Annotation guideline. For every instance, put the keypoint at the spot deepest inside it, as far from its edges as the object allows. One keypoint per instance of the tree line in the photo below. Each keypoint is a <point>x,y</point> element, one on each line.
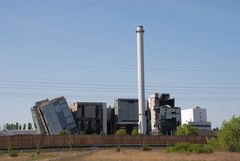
<point>18,126</point>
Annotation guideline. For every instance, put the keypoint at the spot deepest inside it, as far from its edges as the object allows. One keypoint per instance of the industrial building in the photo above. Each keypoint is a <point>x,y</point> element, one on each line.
<point>90,117</point>
<point>165,117</point>
<point>126,114</point>
<point>53,116</point>
<point>196,117</point>
<point>110,120</point>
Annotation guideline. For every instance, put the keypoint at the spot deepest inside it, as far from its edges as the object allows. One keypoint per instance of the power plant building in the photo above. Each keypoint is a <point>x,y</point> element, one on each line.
<point>196,117</point>
<point>126,113</point>
<point>165,117</point>
<point>110,120</point>
<point>90,117</point>
<point>50,117</point>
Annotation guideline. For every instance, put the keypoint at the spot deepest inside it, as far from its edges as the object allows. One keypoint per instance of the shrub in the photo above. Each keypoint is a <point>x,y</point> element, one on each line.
<point>82,133</point>
<point>182,147</point>
<point>229,134</point>
<point>207,148</point>
<point>102,133</point>
<point>186,130</point>
<point>190,148</point>
<point>214,143</point>
<point>63,133</point>
<point>118,149</point>
<point>121,132</point>
<point>70,144</point>
<point>135,132</point>
<point>146,147</point>
<point>11,152</point>
<point>38,149</point>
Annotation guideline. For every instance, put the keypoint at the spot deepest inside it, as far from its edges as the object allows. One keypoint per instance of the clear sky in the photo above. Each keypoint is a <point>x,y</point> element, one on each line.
<point>86,51</point>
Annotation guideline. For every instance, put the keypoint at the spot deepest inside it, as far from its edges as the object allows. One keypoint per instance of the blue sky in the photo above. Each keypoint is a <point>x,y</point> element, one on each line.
<point>86,51</point>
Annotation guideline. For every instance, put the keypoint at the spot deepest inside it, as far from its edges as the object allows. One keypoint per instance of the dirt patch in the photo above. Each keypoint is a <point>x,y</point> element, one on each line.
<point>126,154</point>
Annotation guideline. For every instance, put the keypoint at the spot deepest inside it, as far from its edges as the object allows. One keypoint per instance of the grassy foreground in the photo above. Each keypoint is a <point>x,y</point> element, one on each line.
<point>126,154</point>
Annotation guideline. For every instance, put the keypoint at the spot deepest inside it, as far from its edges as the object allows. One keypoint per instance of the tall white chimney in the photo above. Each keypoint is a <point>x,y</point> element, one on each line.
<point>142,128</point>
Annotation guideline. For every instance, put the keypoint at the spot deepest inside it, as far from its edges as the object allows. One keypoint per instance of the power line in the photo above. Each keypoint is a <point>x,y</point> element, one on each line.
<point>147,68</point>
<point>112,85</point>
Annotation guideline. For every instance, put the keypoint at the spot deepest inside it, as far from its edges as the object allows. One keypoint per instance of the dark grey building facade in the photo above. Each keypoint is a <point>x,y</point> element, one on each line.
<point>126,114</point>
<point>90,117</point>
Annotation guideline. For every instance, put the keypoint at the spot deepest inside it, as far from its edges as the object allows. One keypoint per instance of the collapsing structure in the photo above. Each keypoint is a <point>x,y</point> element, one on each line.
<point>90,117</point>
<point>50,117</point>
<point>165,117</point>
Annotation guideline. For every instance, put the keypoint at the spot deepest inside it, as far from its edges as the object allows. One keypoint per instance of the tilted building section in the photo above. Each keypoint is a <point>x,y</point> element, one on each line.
<point>90,117</point>
<point>50,117</point>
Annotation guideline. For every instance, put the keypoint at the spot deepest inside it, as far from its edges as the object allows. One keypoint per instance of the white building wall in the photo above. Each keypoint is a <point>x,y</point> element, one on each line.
<point>196,117</point>
<point>187,116</point>
<point>154,117</point>
<point>200,115</point>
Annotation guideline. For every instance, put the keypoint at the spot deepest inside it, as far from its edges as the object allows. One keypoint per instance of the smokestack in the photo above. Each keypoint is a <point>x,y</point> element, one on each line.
<point>141,90</point>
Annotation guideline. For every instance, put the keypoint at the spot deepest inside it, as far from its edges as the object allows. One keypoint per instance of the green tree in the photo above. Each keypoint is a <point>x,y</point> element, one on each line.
<point>229,134</point>
<point>134,132</point>
<point>11,126</point>
<point>29,126</point>
<point>17,125</point>
<point>186,130</point>
<point>24,126</point>
<point>121,132</point>
<point>20,127</point>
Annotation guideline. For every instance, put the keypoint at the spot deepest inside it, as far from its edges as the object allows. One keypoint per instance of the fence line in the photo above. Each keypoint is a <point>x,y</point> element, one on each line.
<point>55,141</point>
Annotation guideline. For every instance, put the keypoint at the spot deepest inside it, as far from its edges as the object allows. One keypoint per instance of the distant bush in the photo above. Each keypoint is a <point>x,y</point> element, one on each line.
<point>82,133</point>
<point>118,149</point>
<point>214,143</point>
<point>38,149</point>
<point>134,132</point>
<point>11,152</point>
<point>186,130</point>
<point>102,133</point>
<point>145,147</point>
<point>70,144</point>
<point>63,133</point>
<point>121,132</point>
<point>190,148</point>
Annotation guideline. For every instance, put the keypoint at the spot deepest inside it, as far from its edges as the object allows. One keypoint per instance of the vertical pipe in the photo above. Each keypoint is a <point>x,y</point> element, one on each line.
<point>141,96</point>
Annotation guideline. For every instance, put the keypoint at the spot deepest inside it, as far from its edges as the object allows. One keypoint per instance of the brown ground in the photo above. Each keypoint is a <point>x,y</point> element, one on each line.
<point>126,154</point>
